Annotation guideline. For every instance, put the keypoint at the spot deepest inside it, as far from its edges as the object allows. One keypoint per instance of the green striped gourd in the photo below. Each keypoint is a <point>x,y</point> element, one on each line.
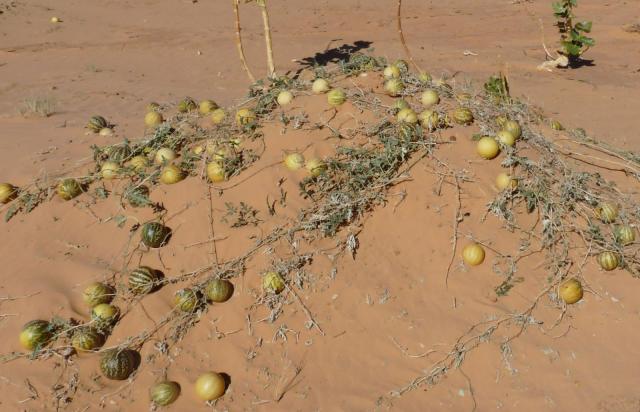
<point>86,339</point>
<point>155,234</point>
<point>69,188</point>
<point>143,280</point>
<point>97,123</point>
<point>218,290</point>
<point>119,364</point>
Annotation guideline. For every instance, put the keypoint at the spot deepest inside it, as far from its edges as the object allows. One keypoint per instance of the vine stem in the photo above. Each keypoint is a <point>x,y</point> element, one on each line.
<point>403,41</point>
<point>243,60</point>
<point>267,37</point>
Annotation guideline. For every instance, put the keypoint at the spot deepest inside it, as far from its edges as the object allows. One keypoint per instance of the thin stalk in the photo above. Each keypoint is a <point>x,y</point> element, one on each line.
<point>239,42</point>
<point>267,37</point>
<point>402,40</point>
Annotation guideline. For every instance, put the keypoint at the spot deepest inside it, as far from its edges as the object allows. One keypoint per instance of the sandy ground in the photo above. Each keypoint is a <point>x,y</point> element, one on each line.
<point>384,310</point>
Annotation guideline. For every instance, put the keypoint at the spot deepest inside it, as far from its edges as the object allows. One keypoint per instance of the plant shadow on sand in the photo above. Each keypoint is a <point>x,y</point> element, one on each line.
<point>335,55</point>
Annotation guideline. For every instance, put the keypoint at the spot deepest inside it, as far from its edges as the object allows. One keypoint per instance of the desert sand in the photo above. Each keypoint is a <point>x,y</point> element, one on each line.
<point>385,315</point>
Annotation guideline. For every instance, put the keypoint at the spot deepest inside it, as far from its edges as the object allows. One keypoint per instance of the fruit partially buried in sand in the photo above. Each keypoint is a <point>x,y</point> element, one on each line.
<point>488,148</point>
<point>207,106</point>
<point>164,393</point>
<point>153,119</point>
<point>215,172</point>
<point>294,161</point>
<point>36,334</point>
<point>218,290</point>
<point>155,234</point>
<point>336,97</point>
<point>608,260</point>
<point>86,339</point>
<point>315,167</point>
<point>68,189</point>
<point>272,282</point>
<point>210,386</point>
<point>143,280</point>
<point>320,86</point>
<point>473,254</point>
<point>97,293</point>
<point>8,192</point>
<point>171,174</point>
<point>571,291</point>
<point>119,364</point>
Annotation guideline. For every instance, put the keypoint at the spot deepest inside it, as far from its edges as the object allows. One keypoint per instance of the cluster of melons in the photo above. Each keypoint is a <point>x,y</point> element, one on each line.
<point>314,166</point>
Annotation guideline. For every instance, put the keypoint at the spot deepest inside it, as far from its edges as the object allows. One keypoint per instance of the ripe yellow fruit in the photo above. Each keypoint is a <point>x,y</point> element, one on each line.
<point>218,116</point>
<point>407,116</point>
<point>245,116</point>
<point>272,282</point>
<point>55,19</point>
<point>316,167</point>
<point>391,72</point>
<point>501,121</point>
<point>109,170</point>
<point>294,161</point>
<point>215,172</point>
<point>429,119</point>
<point>506,138</point>
<point>336,97</point>
<point>138,163</point>
<point>571,291</point>
<point>210,386</point>
<point>513,127</point>
<point>105,131</point>
<point>608,260</point>
<point>487,147</point>
<point>207,106</point>
<point>320,86</point>
<point>505,181</point>
<point>625,235</point>
<point>285,97</point>
<point>394,87</point>
<point>8,192</point>
<point>473,254</point>
<point>164,155</point>
<point>400,104</point>
<point>429,98</point>
<point>607,212</point>
<point>153,119</point>
<point>171,174</point>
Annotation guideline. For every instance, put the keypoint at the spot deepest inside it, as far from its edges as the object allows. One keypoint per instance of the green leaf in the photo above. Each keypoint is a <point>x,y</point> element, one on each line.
<point>571,49</point>
<point>584,26</point>
<point>11,212</point>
